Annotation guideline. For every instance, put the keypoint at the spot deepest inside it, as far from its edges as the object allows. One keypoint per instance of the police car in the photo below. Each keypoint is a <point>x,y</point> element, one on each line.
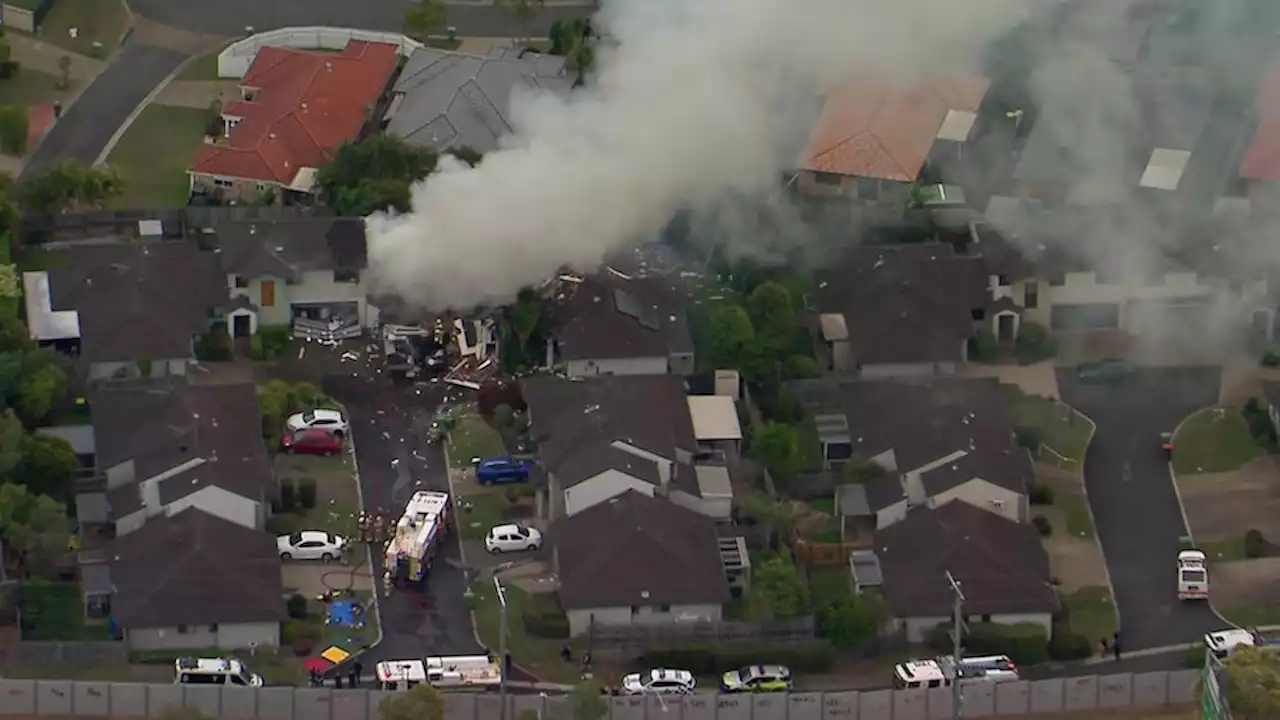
<point>757,678</point>
<point>660,681</point>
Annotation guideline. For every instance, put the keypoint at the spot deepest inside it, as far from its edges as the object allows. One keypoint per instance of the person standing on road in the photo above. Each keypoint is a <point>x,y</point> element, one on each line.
<point>1115,645</point>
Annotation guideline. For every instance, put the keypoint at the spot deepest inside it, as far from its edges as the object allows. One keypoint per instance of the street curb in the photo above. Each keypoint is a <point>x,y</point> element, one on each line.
<point>1182,508</point>
<point>1084,488</point>
<point>462,547</point>
<point>368,550</point>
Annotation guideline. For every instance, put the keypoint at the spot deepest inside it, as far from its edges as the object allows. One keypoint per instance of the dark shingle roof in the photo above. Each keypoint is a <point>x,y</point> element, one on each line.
<point>638,550</point>
<point>926,420</point>
<point>138,301</point>
<point>572,416</point>
<point>590,461</point>
<point>606,316</point>
<point>1000,564</point>
<point>286,248</point>
<point>193,568</point>
<point>164,424</point>
<point>909,304</point>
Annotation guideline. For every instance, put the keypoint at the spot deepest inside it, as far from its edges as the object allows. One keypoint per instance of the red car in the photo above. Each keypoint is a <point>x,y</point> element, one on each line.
<point>311,442</point>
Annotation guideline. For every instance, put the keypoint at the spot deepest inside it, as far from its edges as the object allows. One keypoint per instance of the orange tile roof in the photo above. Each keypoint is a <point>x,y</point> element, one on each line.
<point>874,129</point>
<point>306,105</point>
<point>1262,159</point>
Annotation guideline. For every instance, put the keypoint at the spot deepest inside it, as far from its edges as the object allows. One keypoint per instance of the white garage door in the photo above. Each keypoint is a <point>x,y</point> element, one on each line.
<point>1097,316</point>
<point>1182,317</point>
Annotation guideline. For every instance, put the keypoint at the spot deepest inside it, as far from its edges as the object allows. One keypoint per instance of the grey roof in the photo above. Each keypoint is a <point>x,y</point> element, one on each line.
<point>607,317</point>
<point>451,99</point>
<point>193,568</point>
<point>589,461</point>
<point>286,248</point>
<point>1113,28</point>
<point>851,499</point>
<point>79,437</point>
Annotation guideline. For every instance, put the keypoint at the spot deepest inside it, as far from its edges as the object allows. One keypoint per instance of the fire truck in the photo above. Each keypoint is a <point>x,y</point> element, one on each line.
<point>417,536</point>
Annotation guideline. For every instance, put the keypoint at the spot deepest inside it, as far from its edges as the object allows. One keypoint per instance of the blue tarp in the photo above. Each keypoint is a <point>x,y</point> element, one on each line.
<point>346,613</point>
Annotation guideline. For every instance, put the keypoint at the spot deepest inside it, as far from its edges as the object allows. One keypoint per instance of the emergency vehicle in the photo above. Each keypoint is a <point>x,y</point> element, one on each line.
<point>448,671</point>
<point>1193,576</point>
<point>942,671</point>
<point>1225,642</point>
<point>418,535</point>
<point>213,671</point>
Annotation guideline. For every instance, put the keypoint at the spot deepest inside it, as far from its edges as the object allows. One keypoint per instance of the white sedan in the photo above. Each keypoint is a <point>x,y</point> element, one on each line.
<point>330,420</point>
<point>512,538</point>
<point>660,681</point>
<point>310,545</point>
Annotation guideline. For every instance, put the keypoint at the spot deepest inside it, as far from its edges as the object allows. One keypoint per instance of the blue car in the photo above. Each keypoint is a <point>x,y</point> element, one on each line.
<point>501,470</point>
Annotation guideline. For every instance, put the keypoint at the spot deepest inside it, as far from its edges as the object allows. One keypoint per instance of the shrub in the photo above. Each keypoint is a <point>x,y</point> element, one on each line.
<point>1255,544</point>
<point>288,497</point>
<point>1042,495</point>
<point>275,338</point>
<point>815,657</point>
<point>296,606</point>
<point>1028,437</point>
<point>9,69</point>
<point>1043,525</point>
<point>503,415</point>
<point>1033,344</point>
<point>1024,643</point>
<point>802,367</point>
<point>307,493</point>
<point>983,348</point>
<point>1069,645</point>
<point>256,351</point>
<point>215,345</point>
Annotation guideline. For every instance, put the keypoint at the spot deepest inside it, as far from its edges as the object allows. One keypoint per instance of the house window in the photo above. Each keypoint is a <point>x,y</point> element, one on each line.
<point>183,629</point>
<point>1031,295</point>
<point>1058,280</point>
<point>1002,280</point>
<point>241,281</point>
<point>262,187</point>
<point>868,189</point>
<point>268,293</point>
<point>222,183</point>
<point>635,610</point>
<point>827,179</point>
<point>986,618</point>
<point>213,627</point>
<point>346,275</point>
<point>664,608</point>
<point>978,314</point>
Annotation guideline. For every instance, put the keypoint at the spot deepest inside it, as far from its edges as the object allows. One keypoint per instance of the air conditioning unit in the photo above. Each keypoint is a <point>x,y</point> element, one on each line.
<point>997,503</point>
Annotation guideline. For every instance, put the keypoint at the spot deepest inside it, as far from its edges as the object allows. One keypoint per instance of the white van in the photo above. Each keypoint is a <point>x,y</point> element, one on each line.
<point>940,671</point>
<point>214,671</point>
<point>1193,575</point>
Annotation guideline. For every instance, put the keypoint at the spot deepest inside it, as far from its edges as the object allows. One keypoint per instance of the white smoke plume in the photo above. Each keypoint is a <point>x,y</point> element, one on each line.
<point>697,98</point>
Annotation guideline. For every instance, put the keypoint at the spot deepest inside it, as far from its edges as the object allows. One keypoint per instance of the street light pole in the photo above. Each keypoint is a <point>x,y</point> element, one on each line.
<point>957,647</point>
<point>502,649</point>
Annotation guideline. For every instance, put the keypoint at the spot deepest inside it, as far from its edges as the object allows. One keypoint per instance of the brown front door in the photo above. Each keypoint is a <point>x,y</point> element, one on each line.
<point>268,293</point>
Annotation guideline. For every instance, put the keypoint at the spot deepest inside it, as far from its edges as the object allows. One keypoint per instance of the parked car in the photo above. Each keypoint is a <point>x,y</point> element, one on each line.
<point>310,545</point>
<point>504,469</point>
<point>311,442</point>
<point>660,681</point>
<point>757,678</point>
<point>1105,372</point>
<point>330,420</point>
<point>512,538</point>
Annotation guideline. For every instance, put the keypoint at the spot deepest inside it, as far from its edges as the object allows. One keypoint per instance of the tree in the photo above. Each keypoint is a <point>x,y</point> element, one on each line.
<point>422,702</point>
<point>374,174</point>
<point>526,11</point>
<point>276,401</point>
<point>574,41</point>
<point>778,517</point>
<point>861,470</point>
<point>777,582</point>
<point>733,339</point>
<point>49,466</point>
<point>13,129</point>
<point>524,316</point>
<point>1253,684</point>
<point>772,317</point>
<point>64,186</point>
<point>587,702</point>
<point>776,446</point>
<point>852,621</point>
<point>38,394</point>
<point>423,18</point>
<point>14,337</point>
<point>33,526</point>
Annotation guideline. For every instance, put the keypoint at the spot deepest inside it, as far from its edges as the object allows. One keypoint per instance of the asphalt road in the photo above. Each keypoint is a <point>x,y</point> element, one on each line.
<point>1132,496</point>
<point>89,123</point>
<point>231,17</point>
<point>395,461</point>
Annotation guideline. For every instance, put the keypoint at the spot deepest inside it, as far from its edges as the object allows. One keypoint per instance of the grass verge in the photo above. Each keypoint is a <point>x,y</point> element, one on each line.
<point>473,438</point>
<point>1213,440</point>
<point>99,24</point>
<point>1229,549</point>
<point>30,87</point>
<point>1252,615</point>
<point>153,156</point>
<point>480,512</point>
<point>1091,612</point>
<point>1076,515</point>
<point>539,656</point>
<point>1061,429</point>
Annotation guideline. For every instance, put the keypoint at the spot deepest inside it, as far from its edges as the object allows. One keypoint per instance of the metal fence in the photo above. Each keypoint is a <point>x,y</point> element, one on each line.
<point>40,229</point>
<point>53,654</point>
<point>638,638</point>
<point>234,61</point>
<point>1158,689</point>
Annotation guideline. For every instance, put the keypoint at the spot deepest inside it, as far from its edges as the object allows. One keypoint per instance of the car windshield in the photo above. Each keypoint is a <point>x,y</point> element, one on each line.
<point>295,538</point>
<point>331,538</point>
<point>308,416</point>
<point>521,531</point>
<point>1193,576</point>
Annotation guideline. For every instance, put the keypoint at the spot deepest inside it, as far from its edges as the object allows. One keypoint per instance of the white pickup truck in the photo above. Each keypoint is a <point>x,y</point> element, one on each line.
<point>1193,575</point>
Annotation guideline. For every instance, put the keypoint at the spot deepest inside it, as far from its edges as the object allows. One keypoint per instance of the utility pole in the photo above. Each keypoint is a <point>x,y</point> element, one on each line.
<point>957,648</point>
<point>502,649</point>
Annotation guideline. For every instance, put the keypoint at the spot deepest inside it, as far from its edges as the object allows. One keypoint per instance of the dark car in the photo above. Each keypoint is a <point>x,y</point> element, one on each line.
<point>1105,372</point>
<point>505,469</point>
<point>311,442</point>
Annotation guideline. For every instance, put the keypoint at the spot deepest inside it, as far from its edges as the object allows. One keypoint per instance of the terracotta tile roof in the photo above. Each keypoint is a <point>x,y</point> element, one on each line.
<point>307,104</point>
<point>1262,159</point>
<point>874,129</point>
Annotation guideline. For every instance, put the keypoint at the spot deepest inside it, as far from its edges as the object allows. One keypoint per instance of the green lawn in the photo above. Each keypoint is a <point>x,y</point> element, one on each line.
<point>153,156</point>
<point>1075,512</point>
<point>480,512</point>
<point>30,87</point>
<point>1061,428</point>
<point>1252,615</point>
<point>473,438</point>
<point>1228,549</point>
<point>55,611</point>
<point>1213,440</point>
<point>539,656</point>
<point>99,25</point>
<point>204,67</point>
<point>1091,611</point>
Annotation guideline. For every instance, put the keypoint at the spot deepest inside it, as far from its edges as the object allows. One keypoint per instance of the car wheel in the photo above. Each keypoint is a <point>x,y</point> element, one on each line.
<point>496,550</point>
<point>327,557</point>
<point>291,450</point>
<point>286,556</point>
<point>533,547</point>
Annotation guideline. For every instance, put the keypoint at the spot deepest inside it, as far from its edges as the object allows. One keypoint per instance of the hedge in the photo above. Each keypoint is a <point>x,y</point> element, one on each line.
<point>815,657</point>
<point>1024,643</point>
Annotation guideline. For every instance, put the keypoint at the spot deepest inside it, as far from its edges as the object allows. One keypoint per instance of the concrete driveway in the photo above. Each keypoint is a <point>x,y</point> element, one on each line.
<point>386,422</point>
<point>1132,496</point>
<point>231,17</point>
<point>89,123</point>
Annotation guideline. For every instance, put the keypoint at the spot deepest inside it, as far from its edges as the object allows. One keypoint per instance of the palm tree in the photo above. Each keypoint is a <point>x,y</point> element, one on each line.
<point>423,18</point>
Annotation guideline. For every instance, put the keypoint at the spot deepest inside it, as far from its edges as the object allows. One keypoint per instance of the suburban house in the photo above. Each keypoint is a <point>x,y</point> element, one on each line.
<point>672,573</point>
<point>910,310</point>
<point>445,100</point>
<point>296,107</point>
<point>1000,564</point>
<point>603,436</point>
<point>194,580</point>
<point>874,139</point>
<point>282,271</point>
<point>163,447</point>
<point>126,310</point>
<point>612,323</point>
<point>1260,169</point>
